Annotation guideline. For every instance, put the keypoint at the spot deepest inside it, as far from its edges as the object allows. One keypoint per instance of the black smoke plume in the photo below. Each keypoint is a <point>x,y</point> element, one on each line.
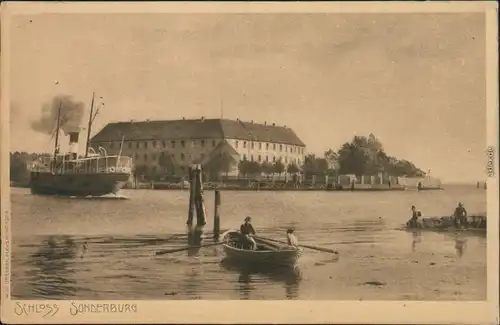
<point>71,115</point>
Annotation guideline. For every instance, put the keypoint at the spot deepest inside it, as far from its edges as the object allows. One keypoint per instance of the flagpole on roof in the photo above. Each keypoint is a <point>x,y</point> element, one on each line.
<point>221,104</point>
<point>221,108</point>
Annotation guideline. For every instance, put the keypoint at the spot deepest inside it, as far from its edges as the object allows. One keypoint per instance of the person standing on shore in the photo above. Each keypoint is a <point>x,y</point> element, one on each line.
<point>247,231</point>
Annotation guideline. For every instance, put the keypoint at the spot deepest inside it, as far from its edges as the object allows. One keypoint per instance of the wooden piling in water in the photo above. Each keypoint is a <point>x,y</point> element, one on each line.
<point>201,218</point>
<point>191,208</point>
<point>195,236</point>
<point>217,215</point>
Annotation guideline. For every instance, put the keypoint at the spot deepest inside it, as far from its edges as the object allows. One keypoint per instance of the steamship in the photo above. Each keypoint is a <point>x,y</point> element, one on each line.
<point>68,174</point>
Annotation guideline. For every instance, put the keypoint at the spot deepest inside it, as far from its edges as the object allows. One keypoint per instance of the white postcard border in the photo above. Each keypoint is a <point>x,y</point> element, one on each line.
<point>262,311</point>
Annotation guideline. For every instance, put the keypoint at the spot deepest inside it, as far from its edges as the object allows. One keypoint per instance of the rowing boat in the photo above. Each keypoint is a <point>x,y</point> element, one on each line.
<point>266,253</point>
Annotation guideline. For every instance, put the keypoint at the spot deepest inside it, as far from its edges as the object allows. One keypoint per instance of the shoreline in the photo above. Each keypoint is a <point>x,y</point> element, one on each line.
<point>357,188</point>
<point>157,186</point>
<point>270,189</point>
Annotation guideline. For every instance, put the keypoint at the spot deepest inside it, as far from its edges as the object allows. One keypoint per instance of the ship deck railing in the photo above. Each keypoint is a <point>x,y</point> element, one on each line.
<point>122,164</point>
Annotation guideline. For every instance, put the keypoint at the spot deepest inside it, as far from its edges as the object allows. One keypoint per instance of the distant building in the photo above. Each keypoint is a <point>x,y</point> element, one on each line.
<point>425,182</point>
<point>194,141</point>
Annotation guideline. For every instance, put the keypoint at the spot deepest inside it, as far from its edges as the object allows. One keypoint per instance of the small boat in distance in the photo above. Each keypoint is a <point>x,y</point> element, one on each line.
<point>266,253</point>
<point>475,224</point>
<point>67,174</point>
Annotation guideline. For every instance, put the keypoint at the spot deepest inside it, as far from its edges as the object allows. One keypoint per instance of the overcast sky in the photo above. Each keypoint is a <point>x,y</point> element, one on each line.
<point>417,81</point>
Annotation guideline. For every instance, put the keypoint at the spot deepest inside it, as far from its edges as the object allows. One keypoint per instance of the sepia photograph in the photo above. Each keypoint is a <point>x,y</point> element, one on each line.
<point>299,154</point>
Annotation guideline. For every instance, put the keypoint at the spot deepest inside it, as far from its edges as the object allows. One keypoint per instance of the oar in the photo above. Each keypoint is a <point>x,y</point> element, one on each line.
<point>321,249</point>
<point>175,250</point>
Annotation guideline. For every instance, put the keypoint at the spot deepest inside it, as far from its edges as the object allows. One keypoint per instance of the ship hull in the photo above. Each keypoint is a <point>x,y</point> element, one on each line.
<point>77,184</point>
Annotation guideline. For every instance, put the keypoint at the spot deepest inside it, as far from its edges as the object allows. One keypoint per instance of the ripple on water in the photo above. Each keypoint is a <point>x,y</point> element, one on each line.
<point>109,253</point>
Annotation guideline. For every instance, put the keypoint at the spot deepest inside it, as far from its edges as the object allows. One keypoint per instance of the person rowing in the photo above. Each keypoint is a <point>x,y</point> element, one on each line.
<point>247,232</point>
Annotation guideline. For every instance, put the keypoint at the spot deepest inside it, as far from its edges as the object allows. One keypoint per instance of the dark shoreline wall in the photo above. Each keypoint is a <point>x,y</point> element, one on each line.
<point>357,188</point>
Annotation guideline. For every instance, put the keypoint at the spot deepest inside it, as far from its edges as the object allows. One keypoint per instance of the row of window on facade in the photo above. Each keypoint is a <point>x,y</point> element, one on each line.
<point>154,156</point>
<point>253,145</point>
<point>245,145</point>
<point>274,159</point>
<point>155,144</point>
<point>182,157</point>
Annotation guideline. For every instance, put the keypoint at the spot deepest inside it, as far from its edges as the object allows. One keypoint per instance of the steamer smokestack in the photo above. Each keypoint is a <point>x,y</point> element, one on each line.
<point>73,142</point>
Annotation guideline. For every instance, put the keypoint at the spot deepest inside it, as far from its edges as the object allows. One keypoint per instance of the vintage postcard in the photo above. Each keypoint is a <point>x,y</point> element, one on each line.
<point>249,162</point>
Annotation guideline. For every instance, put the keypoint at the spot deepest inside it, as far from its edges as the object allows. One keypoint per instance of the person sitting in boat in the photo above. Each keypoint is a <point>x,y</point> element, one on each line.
<point>292,240</point>
<point>460,215</point>
<point>247,231</point>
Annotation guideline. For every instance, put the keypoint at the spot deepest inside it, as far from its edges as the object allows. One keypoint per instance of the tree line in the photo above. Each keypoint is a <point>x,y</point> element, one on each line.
<point>19,160</point>
<point>218,165</point>
<point>360,156</point>
<point>366,156</point>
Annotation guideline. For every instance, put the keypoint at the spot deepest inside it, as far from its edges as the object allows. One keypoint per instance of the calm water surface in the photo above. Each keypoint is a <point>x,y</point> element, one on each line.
<point>377,262</point>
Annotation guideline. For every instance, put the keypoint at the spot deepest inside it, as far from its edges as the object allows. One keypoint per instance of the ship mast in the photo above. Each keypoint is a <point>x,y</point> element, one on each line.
<point>57,130</point>
<point>90,126</point>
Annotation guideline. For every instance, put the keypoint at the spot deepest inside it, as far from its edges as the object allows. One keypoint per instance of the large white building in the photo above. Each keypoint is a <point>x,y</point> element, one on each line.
<point>187,142</point>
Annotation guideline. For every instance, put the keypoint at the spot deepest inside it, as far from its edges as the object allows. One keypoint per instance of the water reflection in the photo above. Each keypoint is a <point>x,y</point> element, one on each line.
<point>416,239</point>
<point>195,239</point>
<point>289,276</point>
<point>460,245</point>
<point>192,281</point>
<point>245,287</point>
<point>51,271</point>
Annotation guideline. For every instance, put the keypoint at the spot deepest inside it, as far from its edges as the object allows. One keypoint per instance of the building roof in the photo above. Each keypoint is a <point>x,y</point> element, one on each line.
<point>197,129</point>
<point>222,148</point>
